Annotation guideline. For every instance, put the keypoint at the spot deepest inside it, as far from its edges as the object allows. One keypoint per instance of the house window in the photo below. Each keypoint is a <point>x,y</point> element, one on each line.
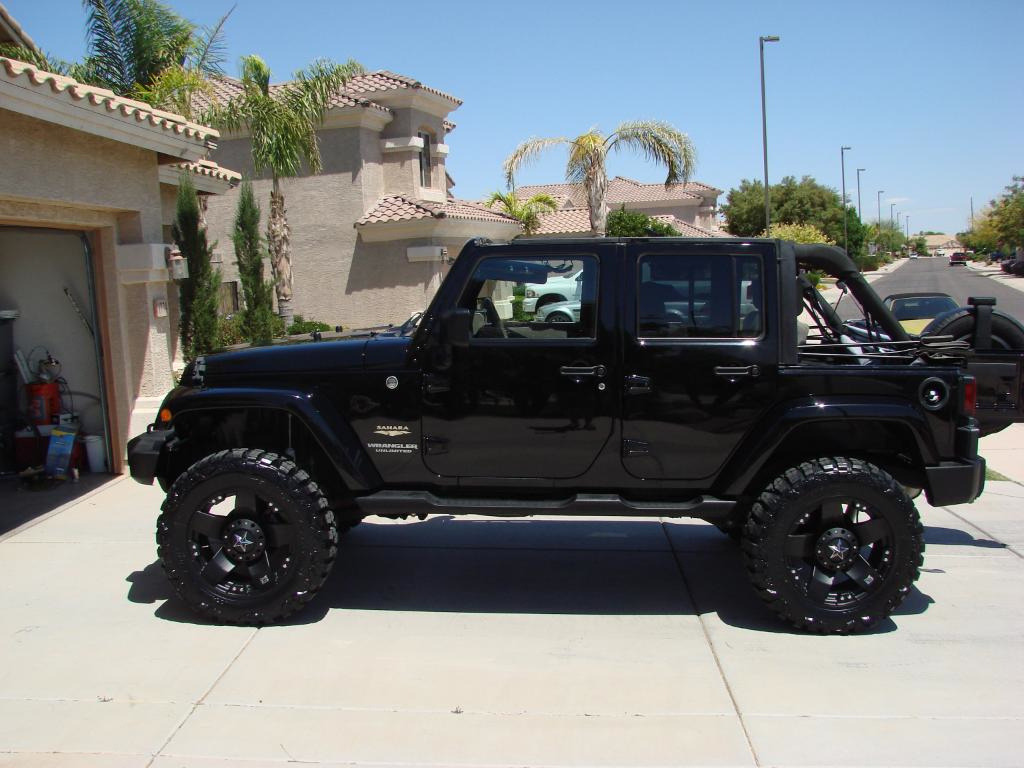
<point>425,160</point>
<point>229,297</point>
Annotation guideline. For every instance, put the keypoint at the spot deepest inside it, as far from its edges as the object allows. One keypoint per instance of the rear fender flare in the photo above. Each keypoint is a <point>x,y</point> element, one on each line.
<point>762,443</point>
<point>315,412</point>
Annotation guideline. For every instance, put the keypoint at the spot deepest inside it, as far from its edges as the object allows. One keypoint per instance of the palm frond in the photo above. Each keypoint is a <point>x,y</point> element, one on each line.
<point>209,49</point>
<point>661,143</point>
<point>108,27</point>
<point>526,153</point>
<point>37,59</point>
<point>586,157</point>
<point>541,203</point>
<point>174,88</point>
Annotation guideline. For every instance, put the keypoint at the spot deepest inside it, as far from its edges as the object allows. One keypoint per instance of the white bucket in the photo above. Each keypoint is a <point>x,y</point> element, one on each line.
<point>96,450</point>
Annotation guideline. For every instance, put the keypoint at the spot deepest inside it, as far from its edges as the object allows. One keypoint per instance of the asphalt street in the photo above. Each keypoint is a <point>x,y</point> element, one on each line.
<point>935,275</point>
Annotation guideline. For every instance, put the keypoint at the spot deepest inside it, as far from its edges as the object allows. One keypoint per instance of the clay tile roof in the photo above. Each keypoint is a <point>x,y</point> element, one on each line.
<point>564,221</point>
<point>382,80</point>
<point>11,29</point>
<point>396,208</point>
<point>22,74</point>
<point>623,190</point>
<point>689,230</point>
<point>211,169</point>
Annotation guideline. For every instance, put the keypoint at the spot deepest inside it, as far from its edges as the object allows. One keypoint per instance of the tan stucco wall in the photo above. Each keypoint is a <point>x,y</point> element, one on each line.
<point>51,163</point>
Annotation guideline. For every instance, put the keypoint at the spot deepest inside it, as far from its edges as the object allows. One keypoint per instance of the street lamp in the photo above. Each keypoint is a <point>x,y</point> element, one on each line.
<point>842,162</point>
<point>764,136</point>
<point>891,207</point>
<point>898,214</point>
<point>907,222</point>
<point>878,239</point>
<point>859,214</point>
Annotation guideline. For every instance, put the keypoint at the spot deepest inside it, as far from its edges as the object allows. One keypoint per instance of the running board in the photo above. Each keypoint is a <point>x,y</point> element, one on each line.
<point>426,503</point>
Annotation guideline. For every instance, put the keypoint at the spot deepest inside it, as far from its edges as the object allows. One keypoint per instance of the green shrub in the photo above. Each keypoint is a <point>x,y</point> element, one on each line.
<point>301,325</point>
<point>231,330</point>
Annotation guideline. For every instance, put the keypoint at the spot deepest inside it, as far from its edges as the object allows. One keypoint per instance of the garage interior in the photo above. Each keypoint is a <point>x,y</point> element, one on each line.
<point>49,333</point>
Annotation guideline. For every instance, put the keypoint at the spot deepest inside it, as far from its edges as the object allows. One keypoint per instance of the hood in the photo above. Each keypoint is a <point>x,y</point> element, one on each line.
<point>315,358</point>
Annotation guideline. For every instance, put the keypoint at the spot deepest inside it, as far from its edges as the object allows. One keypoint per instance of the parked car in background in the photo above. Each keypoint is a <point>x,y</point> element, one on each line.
<point>559,312</point>
<point>957,257</point>
<point>558,288</point>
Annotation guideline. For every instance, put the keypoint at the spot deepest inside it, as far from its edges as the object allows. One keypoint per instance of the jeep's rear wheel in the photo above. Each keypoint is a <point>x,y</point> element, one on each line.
<point>246,537</point>
<point>833,545</point>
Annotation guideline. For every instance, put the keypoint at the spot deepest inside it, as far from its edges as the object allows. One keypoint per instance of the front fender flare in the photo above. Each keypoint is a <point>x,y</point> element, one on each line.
<point>328,427</point>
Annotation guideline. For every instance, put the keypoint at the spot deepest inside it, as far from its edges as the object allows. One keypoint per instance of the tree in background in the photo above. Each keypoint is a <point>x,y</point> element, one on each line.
<point>282,123</point>
<point>199,293</point>
<point>793,202</point>
<point>984,237</point>
<point>888,237</point>
<point>143,50</point>
<point>623,223</point>
<point>526,212</point>
<point>920,245</point>
<point>799,233</point>
<point>588,153</point>
<point>258,314</point>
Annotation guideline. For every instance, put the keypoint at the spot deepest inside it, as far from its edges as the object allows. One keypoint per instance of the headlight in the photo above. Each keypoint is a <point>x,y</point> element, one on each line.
<point>531,294</point>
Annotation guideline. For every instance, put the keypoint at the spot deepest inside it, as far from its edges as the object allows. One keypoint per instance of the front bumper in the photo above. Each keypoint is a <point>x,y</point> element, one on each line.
<point>146,452</point>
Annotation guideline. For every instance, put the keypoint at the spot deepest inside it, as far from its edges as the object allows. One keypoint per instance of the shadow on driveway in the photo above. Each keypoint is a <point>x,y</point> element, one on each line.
<point>596,567</point>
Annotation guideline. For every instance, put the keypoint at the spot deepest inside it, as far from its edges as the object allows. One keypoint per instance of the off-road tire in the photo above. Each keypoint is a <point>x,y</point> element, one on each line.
<point>828,508</point>
<point>212,561</point>
<point>1007,333</point>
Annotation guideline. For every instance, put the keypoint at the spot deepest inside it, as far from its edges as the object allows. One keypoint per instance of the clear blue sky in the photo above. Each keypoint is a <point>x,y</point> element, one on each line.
<point>929,93</point>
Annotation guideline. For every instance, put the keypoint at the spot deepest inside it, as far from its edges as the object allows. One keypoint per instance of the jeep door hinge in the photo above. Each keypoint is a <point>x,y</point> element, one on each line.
<point>432,446</point>
<point>635,448</point>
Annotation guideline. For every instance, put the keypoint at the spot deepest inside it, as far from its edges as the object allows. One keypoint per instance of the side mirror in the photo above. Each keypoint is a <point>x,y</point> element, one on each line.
<point>457,324</point>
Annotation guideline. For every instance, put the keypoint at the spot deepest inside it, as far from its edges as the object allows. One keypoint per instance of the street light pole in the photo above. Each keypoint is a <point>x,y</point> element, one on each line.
<point>842,162</point>
<point>907,222</point>
<point>880,193</point>
<point>891,206</point>
<point>764,136</point>
<point>860,215</point>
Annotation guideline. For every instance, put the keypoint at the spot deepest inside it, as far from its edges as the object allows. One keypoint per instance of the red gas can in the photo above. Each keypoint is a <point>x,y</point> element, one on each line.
<point>43,402</point>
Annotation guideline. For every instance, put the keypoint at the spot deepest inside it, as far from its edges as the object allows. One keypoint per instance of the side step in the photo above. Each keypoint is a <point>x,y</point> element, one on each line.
<point>427,503</point>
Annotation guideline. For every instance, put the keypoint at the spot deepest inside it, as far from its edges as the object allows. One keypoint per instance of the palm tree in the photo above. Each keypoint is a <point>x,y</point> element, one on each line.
<point>282,122</point>
<point>143,50</point>
<point>526,212</point>
<point>658,141</point>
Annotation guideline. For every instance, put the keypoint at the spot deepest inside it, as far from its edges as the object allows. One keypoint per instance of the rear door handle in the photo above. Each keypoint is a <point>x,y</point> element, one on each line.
<point>579,371</point>
<point>735,371</point>
<point>638,385</point>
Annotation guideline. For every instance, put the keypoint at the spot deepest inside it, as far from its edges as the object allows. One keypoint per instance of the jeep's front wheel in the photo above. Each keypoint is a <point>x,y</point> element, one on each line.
<point>246,537</point>
<point>833,545</point>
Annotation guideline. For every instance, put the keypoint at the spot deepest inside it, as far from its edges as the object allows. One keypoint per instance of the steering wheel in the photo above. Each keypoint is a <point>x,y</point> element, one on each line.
<point>493,318</point>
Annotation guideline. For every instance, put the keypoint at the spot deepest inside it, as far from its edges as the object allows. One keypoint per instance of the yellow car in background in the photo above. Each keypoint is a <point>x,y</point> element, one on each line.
<point>915,310</point>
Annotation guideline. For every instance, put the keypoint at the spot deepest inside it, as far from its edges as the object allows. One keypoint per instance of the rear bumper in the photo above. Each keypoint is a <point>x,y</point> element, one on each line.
<point>145,453</point>
<point>961,480</point>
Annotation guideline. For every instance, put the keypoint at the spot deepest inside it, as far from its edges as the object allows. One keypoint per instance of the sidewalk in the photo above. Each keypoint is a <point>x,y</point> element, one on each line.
<point>477,642</point>
<point>995,272</point>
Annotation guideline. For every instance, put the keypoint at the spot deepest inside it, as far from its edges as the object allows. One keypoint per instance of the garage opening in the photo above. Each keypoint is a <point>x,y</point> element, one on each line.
<point>50,335</point>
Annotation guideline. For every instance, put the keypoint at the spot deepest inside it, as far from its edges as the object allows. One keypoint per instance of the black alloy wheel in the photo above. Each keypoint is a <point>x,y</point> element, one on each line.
<point>834,545</point>
<point>246,537</point>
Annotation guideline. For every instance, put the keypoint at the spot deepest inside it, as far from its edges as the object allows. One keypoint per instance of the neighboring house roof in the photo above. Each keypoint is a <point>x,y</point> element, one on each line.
<point>88,108</point>
<point>355,93</point>
<point>689,230</point>
<point>623,190</point>
<point>942,241</point>
<point>395,208</point>
<point>577,220</point>
<point>11,31</point>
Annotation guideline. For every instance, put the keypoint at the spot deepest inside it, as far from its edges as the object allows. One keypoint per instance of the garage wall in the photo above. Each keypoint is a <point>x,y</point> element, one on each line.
<point>35,267</point>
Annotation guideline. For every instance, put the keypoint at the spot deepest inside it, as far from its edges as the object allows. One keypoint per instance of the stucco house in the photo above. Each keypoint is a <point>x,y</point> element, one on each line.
<point>373,234</point>
<point>691,207</point>
<point>86,202</point>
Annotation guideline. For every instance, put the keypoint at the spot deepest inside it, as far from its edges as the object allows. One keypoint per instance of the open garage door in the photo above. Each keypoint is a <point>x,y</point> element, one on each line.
<point>48,306</point>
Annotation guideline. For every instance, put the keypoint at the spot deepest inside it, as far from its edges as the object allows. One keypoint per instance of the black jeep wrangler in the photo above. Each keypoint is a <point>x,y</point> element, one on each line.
<point>686,378</point>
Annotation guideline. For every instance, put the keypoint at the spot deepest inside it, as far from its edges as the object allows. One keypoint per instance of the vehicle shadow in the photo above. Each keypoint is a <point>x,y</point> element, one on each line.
<point>939,536</point>
<point>595,567</point>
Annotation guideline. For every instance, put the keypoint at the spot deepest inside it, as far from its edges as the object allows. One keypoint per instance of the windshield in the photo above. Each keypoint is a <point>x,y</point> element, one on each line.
<point>921,307</point>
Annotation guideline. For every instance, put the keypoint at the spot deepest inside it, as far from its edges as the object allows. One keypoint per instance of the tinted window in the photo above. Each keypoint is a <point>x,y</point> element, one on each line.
<point>684,296</point>
<point>496,291</point>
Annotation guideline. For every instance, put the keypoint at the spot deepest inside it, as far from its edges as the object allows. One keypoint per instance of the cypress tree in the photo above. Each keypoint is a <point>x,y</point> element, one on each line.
<point>199,293</point>
<point>258,315</point>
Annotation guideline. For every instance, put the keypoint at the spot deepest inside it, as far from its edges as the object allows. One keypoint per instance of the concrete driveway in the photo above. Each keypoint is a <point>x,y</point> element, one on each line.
<point>488,642</point>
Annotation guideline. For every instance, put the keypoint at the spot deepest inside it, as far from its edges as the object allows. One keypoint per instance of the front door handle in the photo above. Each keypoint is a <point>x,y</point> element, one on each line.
<point>736,371</point>
<point>579,371</point>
